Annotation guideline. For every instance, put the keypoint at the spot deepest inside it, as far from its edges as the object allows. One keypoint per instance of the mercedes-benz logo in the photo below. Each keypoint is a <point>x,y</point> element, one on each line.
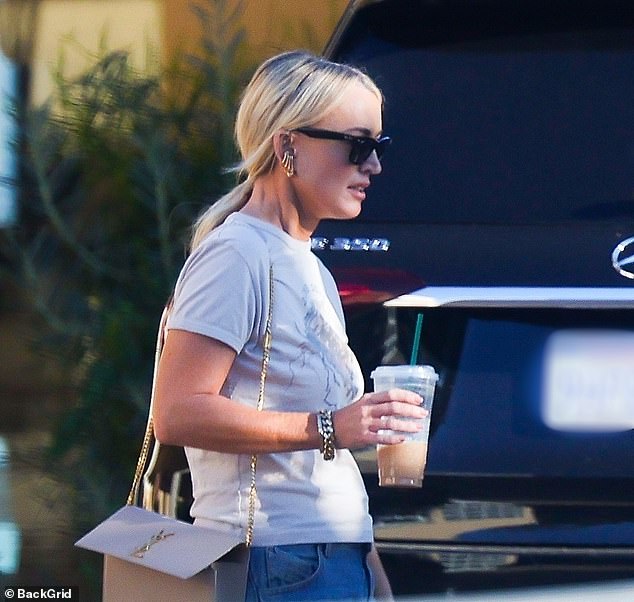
<point>623,258</point>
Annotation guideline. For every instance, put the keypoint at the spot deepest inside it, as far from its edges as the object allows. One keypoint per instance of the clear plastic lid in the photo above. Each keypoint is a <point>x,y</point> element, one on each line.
<point>405,371</point>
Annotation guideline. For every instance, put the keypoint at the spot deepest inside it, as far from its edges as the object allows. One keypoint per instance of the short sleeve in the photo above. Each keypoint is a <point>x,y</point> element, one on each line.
<point>217,295</point>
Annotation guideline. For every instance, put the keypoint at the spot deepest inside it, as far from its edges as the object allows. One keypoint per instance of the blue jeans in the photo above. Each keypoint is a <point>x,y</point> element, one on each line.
<point>303,572</point>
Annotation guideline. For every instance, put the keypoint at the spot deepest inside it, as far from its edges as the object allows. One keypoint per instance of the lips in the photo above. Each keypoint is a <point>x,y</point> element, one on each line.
<point>359,187</point>
<point>358,192</point>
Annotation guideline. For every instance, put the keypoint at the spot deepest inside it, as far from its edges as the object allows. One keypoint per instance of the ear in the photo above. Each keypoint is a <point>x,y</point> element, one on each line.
<point>282,142</point>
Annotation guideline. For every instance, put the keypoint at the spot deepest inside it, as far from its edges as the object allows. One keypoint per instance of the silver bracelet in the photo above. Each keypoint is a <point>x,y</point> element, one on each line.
<point>326,430</point>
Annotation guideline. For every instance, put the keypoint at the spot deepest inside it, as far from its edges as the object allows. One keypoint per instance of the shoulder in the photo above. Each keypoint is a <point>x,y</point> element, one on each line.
<point>223,287</point>
<point>234,245</point>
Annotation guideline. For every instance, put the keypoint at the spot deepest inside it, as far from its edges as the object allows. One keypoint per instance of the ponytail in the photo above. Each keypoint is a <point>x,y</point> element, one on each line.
<point>217,213</point>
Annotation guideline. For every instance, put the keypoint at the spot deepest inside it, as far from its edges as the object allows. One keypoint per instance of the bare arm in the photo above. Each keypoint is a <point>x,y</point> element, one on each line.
<point>189,409</point>
<point>382,589</point>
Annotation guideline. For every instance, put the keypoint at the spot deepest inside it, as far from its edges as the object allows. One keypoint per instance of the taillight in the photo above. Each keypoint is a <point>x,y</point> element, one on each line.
<point>374,285</point>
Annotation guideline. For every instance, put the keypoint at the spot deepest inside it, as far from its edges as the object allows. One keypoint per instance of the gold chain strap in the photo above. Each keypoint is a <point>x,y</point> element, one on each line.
<point>149,429</point>
<point>266,355</point>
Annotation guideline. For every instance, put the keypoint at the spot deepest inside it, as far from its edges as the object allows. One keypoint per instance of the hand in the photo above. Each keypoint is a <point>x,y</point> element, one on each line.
<point>358,424</point>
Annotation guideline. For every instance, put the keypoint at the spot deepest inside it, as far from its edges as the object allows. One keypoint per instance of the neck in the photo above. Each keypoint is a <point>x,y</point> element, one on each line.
<point>273,200</point>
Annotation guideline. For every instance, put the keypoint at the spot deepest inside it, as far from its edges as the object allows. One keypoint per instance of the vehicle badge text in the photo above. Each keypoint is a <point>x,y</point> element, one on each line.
<point>321,243</point>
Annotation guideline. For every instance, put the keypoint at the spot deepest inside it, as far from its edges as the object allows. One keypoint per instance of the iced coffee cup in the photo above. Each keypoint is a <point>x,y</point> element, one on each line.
<point>403,464</point>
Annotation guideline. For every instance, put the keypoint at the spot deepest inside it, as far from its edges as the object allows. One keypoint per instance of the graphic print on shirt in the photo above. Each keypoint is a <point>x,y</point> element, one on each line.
<point>337,365</point>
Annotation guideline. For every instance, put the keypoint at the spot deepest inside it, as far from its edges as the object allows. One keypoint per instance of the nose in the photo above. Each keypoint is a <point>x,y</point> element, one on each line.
<point>372,164</point>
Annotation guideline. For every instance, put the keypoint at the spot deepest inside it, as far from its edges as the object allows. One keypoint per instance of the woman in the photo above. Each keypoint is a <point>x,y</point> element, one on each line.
<point>309,132</point>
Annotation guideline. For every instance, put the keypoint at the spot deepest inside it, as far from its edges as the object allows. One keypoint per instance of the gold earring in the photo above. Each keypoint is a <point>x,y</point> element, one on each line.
<point>288,162</point>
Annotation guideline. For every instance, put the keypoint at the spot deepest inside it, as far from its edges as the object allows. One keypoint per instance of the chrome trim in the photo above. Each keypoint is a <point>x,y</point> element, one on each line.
<point>550,550</point>
<point>500,296</point>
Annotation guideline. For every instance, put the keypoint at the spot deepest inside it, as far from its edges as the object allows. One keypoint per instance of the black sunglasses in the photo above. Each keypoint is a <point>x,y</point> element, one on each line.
<point>361,146</point>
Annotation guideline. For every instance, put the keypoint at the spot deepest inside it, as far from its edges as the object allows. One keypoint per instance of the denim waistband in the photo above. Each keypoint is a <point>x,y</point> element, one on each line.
<point>328,549</point>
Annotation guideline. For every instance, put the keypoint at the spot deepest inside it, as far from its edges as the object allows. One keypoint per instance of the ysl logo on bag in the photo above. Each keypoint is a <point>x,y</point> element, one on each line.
<point>141,550</point>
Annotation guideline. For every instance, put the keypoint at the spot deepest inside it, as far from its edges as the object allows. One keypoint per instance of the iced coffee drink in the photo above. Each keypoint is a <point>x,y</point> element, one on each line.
<point>403,464</point>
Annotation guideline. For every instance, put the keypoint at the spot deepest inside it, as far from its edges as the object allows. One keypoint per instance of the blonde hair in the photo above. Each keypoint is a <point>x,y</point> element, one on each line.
<point>291,90</point>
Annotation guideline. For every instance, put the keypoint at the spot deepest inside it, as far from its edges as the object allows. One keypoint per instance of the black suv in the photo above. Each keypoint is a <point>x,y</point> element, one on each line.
<point>505,215</point>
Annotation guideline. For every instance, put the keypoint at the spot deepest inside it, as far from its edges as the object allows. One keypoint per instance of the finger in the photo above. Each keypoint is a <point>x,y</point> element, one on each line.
<point>402,395</point>
<point>406,426</point>
<point>392,423</point>
<point>380,423</point>
<point>396,408</point>
<point>389,438</point>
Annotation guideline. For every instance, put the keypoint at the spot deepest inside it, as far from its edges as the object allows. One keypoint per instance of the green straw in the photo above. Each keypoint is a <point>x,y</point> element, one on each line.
<point>417,332</point>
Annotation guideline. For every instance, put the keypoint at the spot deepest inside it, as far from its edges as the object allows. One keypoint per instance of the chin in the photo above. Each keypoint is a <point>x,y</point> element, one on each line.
<point>349,211</point>
<point>355,212</point>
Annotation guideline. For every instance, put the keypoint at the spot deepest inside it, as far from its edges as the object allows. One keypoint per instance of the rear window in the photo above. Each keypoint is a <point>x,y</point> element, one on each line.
<point>493,413</point>
<point>501,115</point>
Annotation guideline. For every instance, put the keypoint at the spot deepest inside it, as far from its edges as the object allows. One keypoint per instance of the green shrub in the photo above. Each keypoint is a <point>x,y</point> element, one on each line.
<point>114,168</point>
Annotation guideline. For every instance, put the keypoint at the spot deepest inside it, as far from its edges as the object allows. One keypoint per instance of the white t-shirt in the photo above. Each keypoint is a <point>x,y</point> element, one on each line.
<point>222,292</point>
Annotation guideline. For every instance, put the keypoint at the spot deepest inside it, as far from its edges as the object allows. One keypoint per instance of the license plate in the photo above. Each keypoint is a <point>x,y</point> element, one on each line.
<point>588,381</point>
